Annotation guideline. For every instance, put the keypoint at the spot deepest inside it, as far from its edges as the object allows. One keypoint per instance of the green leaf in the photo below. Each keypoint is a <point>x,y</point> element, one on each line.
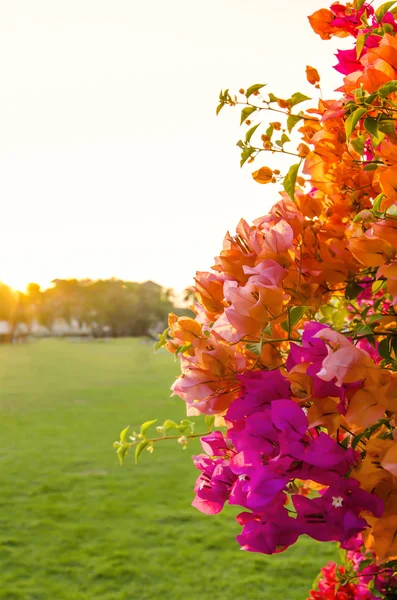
<point>285,139</point>
<point>163,338</point>
<point>359,94</point>
<point>376,287</point>
<point>387,126</point>
<point>139,449</point>
<point>209,420</point>
<point>353,290</point>
<point>359,4</point>
<point>345,442</point>
<point>186,426</point>
<point>123,434</point>
<point>388,88</point>
<point>169,424</point>
<point>290,181</point>
<point>365,563</point>
<point>369,99</point>
<point>297,98</point>
<point>219,108</point>
<point>145,426</point>
<point>357,439</point>
<point>371,166</point>
<point>182,349</point>
<point>339,317</point>
<point>250,133</point>
<point>363,329</point>
<point>121,452</point>
<point>272,97</point>
<point>353,119</point>
<point>269,131</point>
<point>254,88</point>
<point>360,43</point>
<point>284,326</point>
<point>371,125</point>
<point>364,19</point>
<point>246,154</point>
<point>392,211</point>
<point>362,215</point>
<point>384,348</point>
<point>296,313</point>
<point>294,316</point>
<point>358,144</point>
<point>255,348</point>
<point>394,344</point>
<point>292,121</point>
<point>378,140</point>
<point>382,10</point>
<point>246,112</point>
<point>377,202</point>
<point>374,591</point>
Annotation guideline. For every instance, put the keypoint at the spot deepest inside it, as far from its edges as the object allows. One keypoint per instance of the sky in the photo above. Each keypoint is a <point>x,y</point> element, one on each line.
<point>112,161</point>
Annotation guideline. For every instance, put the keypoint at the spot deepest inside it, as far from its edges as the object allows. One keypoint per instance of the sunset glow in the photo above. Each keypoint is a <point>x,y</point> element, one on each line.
<point>113,161</point>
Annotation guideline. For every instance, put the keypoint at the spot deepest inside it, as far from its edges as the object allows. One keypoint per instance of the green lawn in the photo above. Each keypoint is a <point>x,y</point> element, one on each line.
<point>74,524</point>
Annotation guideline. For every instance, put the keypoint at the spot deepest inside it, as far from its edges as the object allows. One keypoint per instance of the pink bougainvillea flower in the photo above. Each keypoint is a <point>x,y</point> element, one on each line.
<point>215,444</point>
<point>267,272</point>
<point>257,390</point>
<point>347,62</point>
<point>289,418</point>
<point>213,485</point>
<point>345,362</point>
<point>270,534</point>
<point>256,432</point>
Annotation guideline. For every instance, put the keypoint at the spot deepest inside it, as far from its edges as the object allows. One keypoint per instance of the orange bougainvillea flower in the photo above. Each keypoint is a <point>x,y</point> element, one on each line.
<point>383,538</point>
<point>184,329</point>
<point>364,408</point>
<point>312,75</point>
<point>324,413</point>
<point>388,183</point>
<point>390,272</point>
<point>252,306</point>
<point>263,175</point>
<point>371,251</point>
<point>369,472</point>
<point>321,23</point>
<point>209,290</point>
<point>389,460</point>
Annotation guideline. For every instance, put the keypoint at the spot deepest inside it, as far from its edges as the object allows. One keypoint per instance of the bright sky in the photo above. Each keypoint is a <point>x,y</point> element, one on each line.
<point>112,160</point>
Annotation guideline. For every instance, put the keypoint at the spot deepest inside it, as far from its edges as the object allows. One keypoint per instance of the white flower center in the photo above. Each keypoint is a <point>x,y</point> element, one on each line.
<point>337,501</point>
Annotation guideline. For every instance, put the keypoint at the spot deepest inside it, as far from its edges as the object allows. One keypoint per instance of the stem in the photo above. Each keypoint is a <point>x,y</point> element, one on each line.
<point>171,437</point>
<point>277,110</point>
<point>275,150</point>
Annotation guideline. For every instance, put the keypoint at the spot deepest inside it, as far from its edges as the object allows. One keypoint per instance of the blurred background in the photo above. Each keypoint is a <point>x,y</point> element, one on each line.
<point>118,182</point>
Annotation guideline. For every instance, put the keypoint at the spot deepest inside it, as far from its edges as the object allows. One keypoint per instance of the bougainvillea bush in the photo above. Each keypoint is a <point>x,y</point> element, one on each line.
<point>292,354</point>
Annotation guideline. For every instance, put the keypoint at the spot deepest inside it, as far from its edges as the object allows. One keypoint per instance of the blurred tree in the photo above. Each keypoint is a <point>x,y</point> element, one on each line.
<point>112,306</point>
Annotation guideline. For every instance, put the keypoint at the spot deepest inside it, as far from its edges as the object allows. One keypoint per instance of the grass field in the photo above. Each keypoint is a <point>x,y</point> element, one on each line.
<point>75,525</point>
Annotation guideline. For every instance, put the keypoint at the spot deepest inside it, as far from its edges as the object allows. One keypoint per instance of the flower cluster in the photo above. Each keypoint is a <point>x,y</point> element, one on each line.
<point>292,346</point>
<point>275,449</point>
<point>360,578</point>
<point>294,341</point>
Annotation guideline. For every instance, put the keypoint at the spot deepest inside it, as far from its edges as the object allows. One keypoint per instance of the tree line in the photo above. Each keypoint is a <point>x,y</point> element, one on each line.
<point>112,306</point>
